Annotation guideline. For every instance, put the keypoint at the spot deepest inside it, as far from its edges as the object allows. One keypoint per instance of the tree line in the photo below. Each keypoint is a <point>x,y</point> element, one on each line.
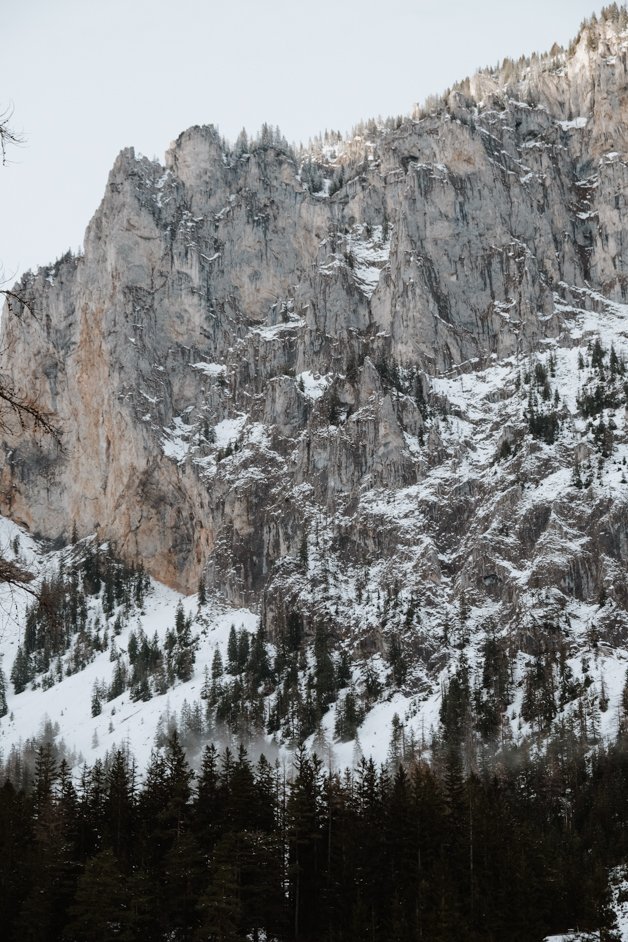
<point>517,847</point>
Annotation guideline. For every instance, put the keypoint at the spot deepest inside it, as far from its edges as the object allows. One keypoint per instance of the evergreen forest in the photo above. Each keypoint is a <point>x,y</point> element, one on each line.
<point>516,848</point>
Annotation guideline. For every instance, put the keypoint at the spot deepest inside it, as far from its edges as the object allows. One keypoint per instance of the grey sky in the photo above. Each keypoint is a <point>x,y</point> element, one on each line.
<point>88,77</point>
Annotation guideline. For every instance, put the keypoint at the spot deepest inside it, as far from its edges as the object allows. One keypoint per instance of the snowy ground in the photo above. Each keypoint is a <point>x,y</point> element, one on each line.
<point>68,703</point>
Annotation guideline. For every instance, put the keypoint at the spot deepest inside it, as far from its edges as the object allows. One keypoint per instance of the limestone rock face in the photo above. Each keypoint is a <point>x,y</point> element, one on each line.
<point>313,397</point>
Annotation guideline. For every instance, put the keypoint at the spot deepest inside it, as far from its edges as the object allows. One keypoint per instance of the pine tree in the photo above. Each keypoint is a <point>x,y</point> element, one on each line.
<point>178,778</point>
<point>181,647</point>
<point>258,666</point>
<point>21,672</point>
<point>232,651</point>
<point>3,693</point>
<point>304,837</point>
<point>324,673</point>
<point>220,904</point>
<point>217,668</point>
<point>96,703</point>
<point>52,866</point>
<point>120,806</point>
<point>348,718</point>
<point>208,798</point>
<point>101,901</point>
<point>243,650</point>
<point>184,871</point>
<point>303,550</point>
<point>397,661</point>
<point>395,748</point>
<point>16,834</point>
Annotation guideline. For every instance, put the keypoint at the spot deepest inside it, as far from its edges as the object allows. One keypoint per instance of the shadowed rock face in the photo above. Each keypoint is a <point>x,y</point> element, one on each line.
<point>303,396</point>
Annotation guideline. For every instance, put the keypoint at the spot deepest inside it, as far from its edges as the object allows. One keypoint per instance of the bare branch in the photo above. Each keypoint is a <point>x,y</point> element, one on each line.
<point>15,576</point>
<point>17,303</point>
<point>26,411</point>
<point>8,136</point>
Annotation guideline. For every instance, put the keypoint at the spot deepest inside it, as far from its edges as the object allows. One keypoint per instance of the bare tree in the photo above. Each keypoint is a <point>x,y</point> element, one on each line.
<point>8,135</point>
<point>14,404</point>
<point>18,410</point>
<point>14,575</point>
<point>23,409</point>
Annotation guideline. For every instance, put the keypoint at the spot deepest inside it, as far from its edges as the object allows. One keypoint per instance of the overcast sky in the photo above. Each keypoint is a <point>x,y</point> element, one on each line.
<point>89,77</point>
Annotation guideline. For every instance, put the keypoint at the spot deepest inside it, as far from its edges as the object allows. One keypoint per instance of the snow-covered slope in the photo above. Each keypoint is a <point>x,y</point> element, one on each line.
<point>65,707</point>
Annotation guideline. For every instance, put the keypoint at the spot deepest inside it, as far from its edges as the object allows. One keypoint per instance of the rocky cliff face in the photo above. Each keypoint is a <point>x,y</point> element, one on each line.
<point>364,402</point>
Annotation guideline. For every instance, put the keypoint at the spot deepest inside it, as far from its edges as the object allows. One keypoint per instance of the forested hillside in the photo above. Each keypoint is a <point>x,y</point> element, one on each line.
<point>513,850</point>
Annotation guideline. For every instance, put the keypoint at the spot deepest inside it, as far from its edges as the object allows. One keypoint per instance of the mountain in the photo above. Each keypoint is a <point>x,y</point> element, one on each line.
<point>372,394</point>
